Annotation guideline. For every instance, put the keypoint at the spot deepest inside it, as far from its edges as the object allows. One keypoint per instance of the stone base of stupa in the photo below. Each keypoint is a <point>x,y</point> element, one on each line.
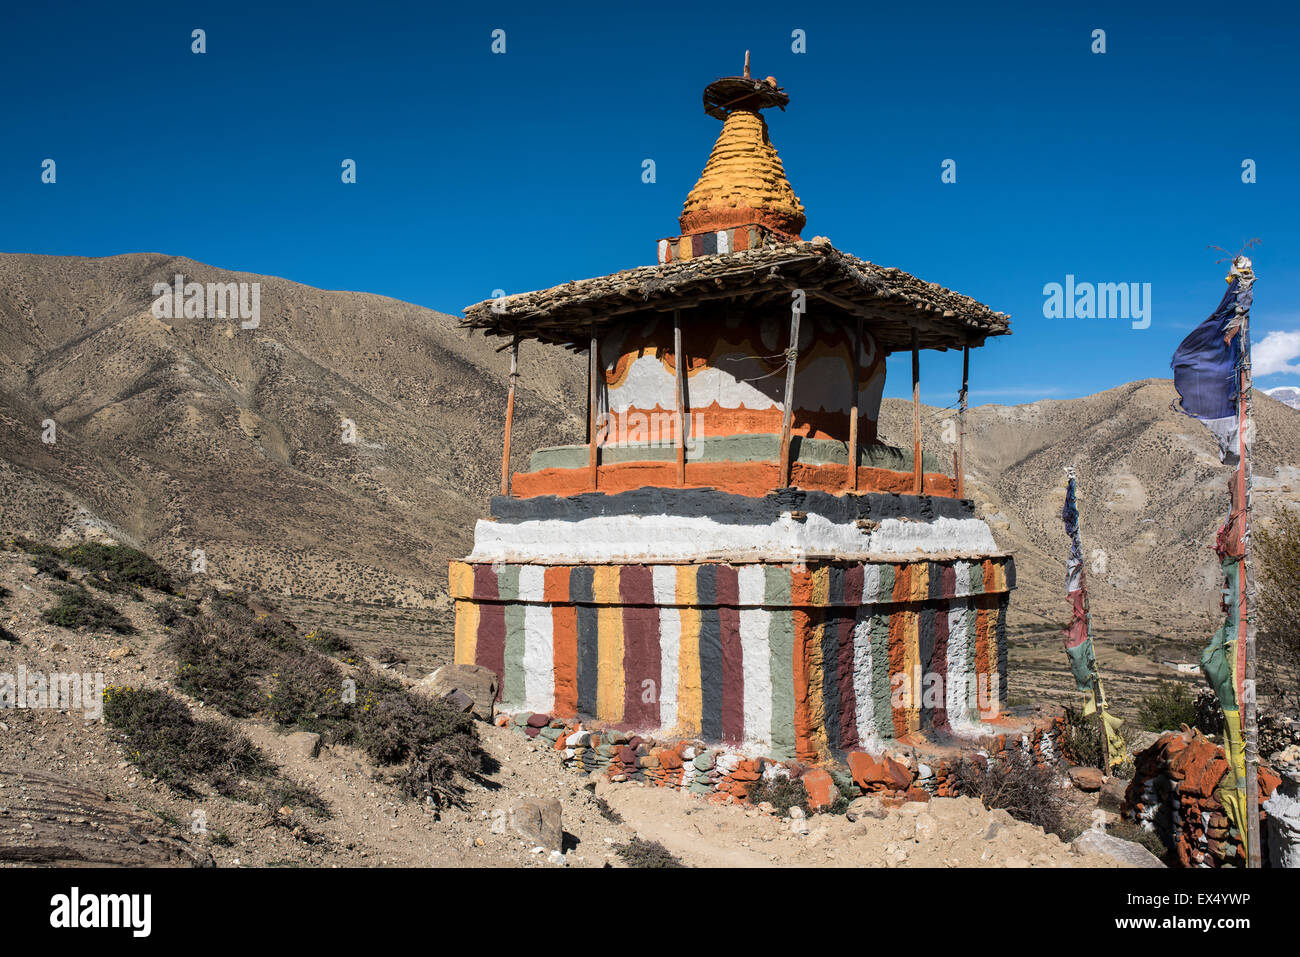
<point>793,660</point>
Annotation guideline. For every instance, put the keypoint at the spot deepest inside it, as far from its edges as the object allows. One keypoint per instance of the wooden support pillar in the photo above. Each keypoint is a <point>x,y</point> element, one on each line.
<point>961,422</point>
<point>853,409</point>
<point>918,473</point>
<point>787,419</point>
<point>679,360</point>
<point>593,398</point>
<point>510,416</point>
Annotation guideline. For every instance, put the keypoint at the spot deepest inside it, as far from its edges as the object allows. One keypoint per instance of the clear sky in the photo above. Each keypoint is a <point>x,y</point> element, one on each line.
<point>478,171</point>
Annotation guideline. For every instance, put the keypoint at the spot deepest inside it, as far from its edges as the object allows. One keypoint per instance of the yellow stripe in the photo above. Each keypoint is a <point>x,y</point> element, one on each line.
<point>821,586</point>
<point>460,580</point>
<point>911,665</point>
<point>816,670</point>
<point>604,585</point>
<point>609,664</point>
<point>466,632</point>
<point>920,581</point>
<point>690,689</point>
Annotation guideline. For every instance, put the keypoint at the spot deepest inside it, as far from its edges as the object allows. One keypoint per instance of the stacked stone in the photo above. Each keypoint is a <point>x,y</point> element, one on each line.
<point>1173,794</point>
<point>728,776</point>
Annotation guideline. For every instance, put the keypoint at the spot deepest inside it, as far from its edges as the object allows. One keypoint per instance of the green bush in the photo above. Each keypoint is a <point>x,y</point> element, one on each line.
<point>1167,708</point>
<point>49,565</point>
<point>78,609</point>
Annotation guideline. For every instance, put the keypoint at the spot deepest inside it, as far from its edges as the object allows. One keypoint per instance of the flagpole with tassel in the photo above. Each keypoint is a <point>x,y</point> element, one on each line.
<point>1246,620</point>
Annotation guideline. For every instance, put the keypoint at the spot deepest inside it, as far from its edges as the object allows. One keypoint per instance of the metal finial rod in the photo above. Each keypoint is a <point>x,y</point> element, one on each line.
<point>747,64</point>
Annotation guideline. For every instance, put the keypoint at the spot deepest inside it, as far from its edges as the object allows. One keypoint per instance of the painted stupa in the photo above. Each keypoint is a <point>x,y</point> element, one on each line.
<point>734,555</point>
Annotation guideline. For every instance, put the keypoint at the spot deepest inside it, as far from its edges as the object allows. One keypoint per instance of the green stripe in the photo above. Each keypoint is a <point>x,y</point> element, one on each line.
<point>780,638</point>
<point>880,687</point>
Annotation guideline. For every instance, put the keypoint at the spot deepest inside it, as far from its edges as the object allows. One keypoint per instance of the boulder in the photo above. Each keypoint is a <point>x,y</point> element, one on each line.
<point>1098,842</point>
<point>821,789</point>
<point>1111,795</point>
<point>864,808</point>
<point>1086,779</point>
<point>539,822</point>
<point>304,743</point>
<point>476,682</point>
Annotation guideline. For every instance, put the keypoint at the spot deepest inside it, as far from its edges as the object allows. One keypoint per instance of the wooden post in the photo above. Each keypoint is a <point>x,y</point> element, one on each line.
<point>510,416</point>
<point>1246,616</point>
<point>787,418</point>
<point>679,360</point>
<point>961,423</point>
<point>918,474</point>
<point>853,410</point>
<point>593,396</point>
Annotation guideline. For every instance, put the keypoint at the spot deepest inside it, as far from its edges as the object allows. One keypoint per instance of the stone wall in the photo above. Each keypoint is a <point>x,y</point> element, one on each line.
<point>726,776</point>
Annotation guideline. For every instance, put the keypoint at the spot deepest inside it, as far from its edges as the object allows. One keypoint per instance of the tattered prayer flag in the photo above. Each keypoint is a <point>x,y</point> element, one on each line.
<point>1205,370</point>
<point>1078,636</point>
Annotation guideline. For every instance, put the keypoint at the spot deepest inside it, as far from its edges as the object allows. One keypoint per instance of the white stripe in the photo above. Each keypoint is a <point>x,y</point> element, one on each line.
<point>866,716</point>
<point>539,658</point>
<point>961,587</point>
<point>956,694</point>
<point>670,637</point>
<point>756,655</point>
<point>532,583</point>
<point>870,584</point>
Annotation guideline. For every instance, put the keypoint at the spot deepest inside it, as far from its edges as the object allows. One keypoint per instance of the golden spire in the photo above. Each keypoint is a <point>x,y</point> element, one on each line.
<point>743,182</point>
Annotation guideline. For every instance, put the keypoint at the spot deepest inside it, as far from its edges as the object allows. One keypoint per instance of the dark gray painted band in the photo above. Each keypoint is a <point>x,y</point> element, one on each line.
<point>728,508</point>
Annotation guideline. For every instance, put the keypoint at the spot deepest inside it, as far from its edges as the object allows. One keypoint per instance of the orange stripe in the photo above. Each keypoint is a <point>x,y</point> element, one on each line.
<point>801,587</point>
<point>564,643</point>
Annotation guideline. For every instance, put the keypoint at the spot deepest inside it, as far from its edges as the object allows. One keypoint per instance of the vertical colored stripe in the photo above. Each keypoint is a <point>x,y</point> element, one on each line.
<point>581,594</point>
<point>642,679</point>
<point>491,647</point>
<point>755,629</point>
<point>512,681</point>
<point>610,690</point>
<point>689,692</point>
<point>938,666</point>
<point>862,677</point>
<point>733,656</point>
<point>466,632</point>
<point>957,690</point>
<point>710,654</point>
<point>670,637</point>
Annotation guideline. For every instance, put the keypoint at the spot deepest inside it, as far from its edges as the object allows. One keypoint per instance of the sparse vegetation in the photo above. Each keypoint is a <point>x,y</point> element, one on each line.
<point>781,792</point>
<point>165,741</point>
<point>1168,708</point>
<point>642,853</point>
<point>118,569</point>
<point>1081,740</point>
<point>1277,546</point>
<point>77,608</point>
<point>246,663</point>
<point>1025,791</point>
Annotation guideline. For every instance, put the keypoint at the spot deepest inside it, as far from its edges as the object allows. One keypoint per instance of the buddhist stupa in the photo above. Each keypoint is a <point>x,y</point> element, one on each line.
<point>734,554</point>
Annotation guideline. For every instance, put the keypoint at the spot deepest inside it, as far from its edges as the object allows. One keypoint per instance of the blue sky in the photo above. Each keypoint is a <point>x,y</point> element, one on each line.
<point>478,171</point>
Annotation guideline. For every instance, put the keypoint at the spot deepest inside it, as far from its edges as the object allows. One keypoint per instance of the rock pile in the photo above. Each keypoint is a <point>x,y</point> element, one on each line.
<point>1173,793</point>
<point>726,777</point>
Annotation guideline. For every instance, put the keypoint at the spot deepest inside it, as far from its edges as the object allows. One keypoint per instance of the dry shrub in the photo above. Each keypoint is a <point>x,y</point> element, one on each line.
<point>1025,791</point>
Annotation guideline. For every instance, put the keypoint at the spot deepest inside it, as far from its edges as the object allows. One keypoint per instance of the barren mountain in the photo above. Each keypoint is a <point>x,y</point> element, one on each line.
<point>182,434</point>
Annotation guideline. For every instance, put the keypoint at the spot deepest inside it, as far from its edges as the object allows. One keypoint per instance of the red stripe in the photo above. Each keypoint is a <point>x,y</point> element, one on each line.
<point>640,647</point>
<point>733,670</point>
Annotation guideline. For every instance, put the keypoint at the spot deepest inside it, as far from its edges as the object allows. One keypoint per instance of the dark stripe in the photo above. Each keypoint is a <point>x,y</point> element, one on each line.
<point>729,508</point>
<point>490,651</point>
<point>640,647</point>
<point>710,654</point>
<point>588,658</point>
<point>853,578</point>
<point>580,584</point>
<point>1002,649</point>
<point>733,671</point>
<point>939,665</point>
<point>835,585</point>
<point>848,696</point>
<point>830,642</point>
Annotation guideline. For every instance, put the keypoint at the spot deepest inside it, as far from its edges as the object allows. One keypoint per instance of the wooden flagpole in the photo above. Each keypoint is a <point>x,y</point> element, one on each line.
<point>679,361</point>
<point>787,418</point>
<point>1246,615</point>
<point>510,416</point>
<point>853,410</point>
<point>961,422</point>
<point>918,469</point>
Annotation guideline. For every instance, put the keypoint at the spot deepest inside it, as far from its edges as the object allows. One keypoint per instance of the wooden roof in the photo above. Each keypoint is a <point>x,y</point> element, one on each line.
<point>836,284</point>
